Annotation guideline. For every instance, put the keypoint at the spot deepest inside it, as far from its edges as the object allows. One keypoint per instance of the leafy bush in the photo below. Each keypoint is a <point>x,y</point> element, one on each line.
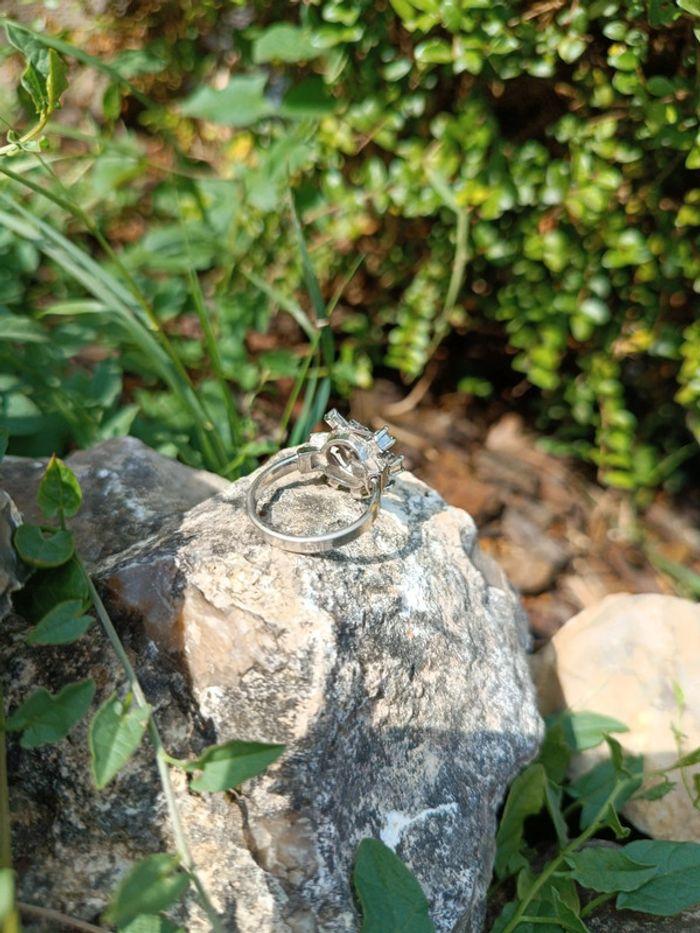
<point>518,177</point>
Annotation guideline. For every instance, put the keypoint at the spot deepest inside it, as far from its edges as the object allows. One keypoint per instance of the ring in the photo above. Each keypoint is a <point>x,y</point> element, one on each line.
<point>352,458</point>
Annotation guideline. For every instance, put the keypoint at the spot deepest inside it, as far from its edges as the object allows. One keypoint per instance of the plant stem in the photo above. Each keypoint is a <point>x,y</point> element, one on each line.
<point>595,904</point>
<point>572,847</point>
<point>162,757</point>
<point>5,827</point>
<point>459,264</point>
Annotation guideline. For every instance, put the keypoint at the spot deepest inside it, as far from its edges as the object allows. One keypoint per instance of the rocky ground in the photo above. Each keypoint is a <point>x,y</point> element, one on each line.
<point>563,540</point>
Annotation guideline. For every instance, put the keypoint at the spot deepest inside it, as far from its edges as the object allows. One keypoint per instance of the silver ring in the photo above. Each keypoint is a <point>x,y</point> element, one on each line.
<point>352,458</point>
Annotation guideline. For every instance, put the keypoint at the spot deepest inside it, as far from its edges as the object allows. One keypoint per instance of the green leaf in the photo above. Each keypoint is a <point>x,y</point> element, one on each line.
<point>690,6</point>
<point>391,899</point>
<point>676,884</point>
<point>115,733</point>
<point>59,491</point>
<point>62,624</point>
<point>240,103</point>
<point>45,717</point>
<point>555,753</point>
<point>566,915</point>
<point>686,761</point>
<point>308,99</point>
<point>284,42</point>
<point>608,870</point>
<point>151,923</point>
<point>52,587</point>
<point>656,791</point>
<point>20,328</point>
<point>56,81</point>
<point>526,797</point>
<point>587,730</point>
<point>596,785</point>
<point>152,885</point>
<point>228,765</point>
<point>44,77</point>
<point>43,550</point>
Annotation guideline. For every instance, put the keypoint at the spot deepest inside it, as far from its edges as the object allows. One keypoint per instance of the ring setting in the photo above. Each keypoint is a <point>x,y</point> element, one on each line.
<point>354,459</point>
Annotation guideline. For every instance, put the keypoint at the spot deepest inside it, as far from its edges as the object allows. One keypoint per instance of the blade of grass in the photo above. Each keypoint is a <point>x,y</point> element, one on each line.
<point>298,383</point>
<point>234,421</point>
<point>287,304</point>
<point>314,290</point>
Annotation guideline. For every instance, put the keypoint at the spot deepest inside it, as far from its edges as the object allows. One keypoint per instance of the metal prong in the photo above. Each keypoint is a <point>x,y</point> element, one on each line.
<point>334,419</point>
<point>383,439</point>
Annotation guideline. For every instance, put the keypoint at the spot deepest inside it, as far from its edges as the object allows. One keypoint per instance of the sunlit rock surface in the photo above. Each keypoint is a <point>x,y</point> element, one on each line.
<point>635,658</point>
<point>393,669</point>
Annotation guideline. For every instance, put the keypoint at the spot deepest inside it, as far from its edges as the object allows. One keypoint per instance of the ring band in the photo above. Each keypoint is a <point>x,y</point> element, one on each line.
<point>352,458</point>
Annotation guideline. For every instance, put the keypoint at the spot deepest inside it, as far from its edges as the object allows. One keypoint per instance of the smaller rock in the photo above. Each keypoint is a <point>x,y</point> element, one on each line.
<point>632,658</point>
<point>530,557</point>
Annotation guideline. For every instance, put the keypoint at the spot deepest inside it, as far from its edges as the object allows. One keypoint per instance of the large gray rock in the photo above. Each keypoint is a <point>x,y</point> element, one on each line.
<point>393,669</point>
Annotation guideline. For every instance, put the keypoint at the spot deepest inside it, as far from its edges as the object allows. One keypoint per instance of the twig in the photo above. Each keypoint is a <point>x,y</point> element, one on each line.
<point>414,397</point>
<point>56,917</point>
<point>181,844</point>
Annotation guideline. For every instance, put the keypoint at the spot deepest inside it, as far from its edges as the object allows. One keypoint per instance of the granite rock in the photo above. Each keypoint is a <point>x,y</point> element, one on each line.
<point>394,670</point>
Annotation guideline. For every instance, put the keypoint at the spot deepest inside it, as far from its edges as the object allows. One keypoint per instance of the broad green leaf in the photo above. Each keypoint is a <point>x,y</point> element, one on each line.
<point>115,733</point>
<point>526,797</point>
<point>44,77</point>
<point>151,923</point>
<point>40,549</point>
<point>240,103</point>
<point>59,491</point>
<point>62,624</point>
<point>690,6</point>
<point>555,753</point>
<point>567,917</point>
<point>228,765</point>
<point>391,899</point>
<point>152,885</point>
<point>587,730</point>
<point>284,42</point>
<point>56,81</point>
<point>676,884</point>
<point>607,869</point>
<point>308,99</point>
<point>54,586</point>
<point>596,785</point>
<point>46,717</point>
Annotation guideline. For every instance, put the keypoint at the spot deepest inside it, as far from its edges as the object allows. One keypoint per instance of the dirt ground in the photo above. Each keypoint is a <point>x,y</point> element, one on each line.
<point>564,541</point>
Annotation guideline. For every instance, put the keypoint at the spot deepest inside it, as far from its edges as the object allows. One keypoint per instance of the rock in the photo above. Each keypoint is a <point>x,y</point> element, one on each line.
<point>609,920</point>
<point>151,492</point>
<point>13,572</point>
<point>531,558</point>
<point>394,670</point>
<point>626,657</point>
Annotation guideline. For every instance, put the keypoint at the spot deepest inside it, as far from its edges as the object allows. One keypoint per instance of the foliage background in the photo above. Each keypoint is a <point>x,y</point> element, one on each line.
<point>518,177</point>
